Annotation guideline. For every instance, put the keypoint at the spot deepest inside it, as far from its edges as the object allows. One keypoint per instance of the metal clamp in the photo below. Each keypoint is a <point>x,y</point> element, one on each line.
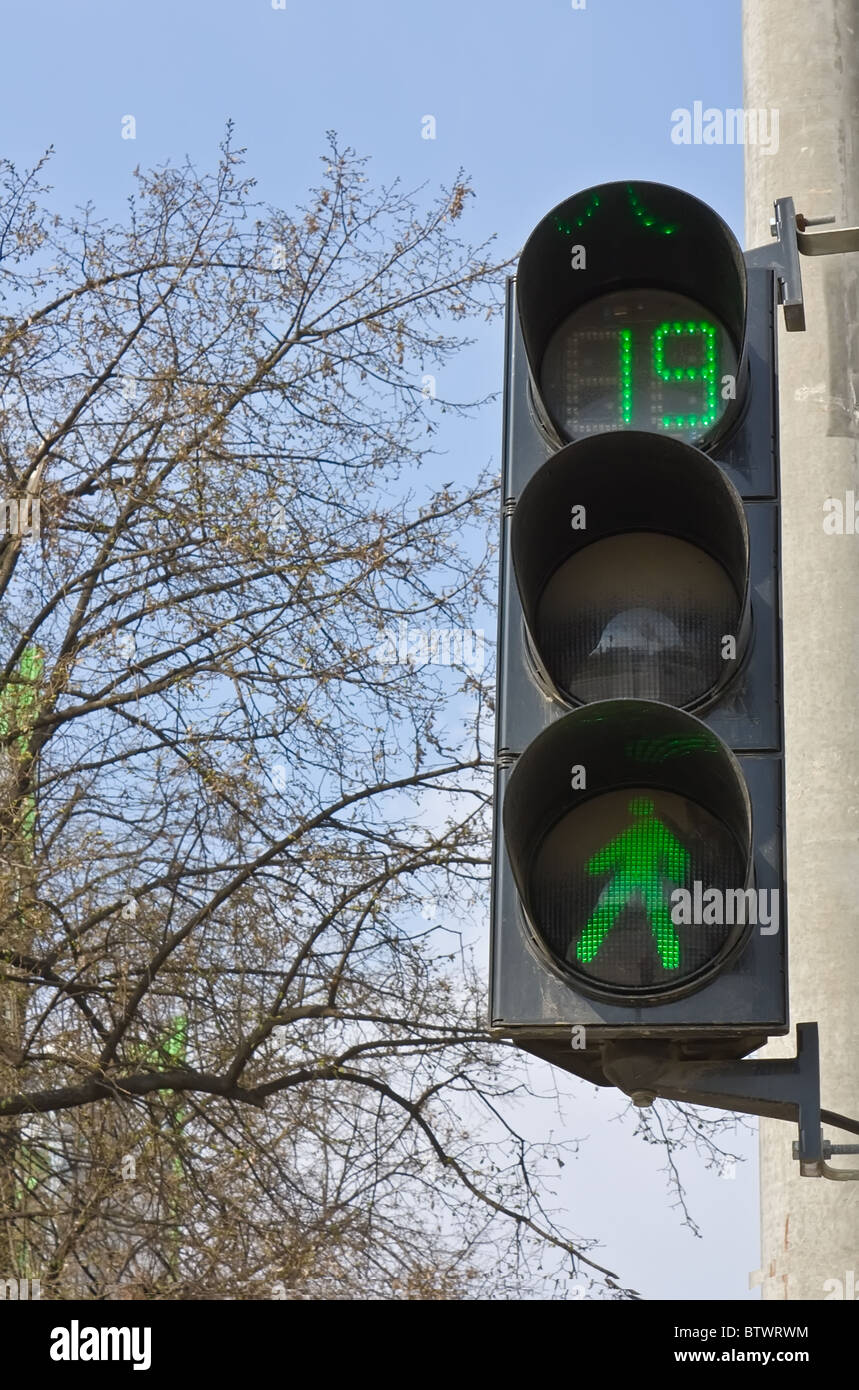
<point>789,226</point>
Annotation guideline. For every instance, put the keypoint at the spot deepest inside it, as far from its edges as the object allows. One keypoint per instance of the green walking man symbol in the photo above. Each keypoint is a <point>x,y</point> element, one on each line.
<point>640,858</point>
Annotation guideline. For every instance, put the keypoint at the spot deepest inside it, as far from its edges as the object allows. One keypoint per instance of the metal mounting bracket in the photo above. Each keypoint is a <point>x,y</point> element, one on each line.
<point>778,1088</point>
<point>789,226</point>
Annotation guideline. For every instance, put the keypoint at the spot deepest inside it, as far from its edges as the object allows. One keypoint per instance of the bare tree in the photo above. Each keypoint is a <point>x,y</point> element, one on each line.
<point>243,731</point>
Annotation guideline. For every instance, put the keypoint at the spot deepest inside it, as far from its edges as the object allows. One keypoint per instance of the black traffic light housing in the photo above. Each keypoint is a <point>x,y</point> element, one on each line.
<point>639,708</point>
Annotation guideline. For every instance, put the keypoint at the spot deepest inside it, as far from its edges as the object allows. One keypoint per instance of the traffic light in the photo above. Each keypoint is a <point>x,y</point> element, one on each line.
<point>638,859</point>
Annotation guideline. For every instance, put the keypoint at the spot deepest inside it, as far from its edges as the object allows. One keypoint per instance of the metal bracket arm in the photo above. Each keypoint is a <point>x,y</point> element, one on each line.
<point>780,1089</point>
<point>789,226</point>
<point>832,243</point>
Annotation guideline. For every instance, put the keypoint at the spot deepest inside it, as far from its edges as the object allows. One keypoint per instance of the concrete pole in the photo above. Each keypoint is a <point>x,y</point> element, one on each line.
<point>801,59</point>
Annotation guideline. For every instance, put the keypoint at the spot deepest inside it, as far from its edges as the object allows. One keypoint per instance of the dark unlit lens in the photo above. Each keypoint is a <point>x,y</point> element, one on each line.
<point>642,615</point>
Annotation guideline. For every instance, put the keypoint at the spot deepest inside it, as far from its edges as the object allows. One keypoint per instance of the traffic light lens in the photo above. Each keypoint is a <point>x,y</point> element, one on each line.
<point>631,560</point>
<point>637,615</point>
<point>629,833</point>
<point>648,360</point>
<point>602,882</point>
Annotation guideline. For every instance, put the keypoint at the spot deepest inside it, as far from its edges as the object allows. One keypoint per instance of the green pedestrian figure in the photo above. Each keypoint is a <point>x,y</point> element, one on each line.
<point>640,858</point>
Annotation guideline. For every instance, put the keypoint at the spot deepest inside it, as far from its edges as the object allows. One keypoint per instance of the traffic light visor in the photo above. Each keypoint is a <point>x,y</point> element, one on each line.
<point>632,301</point>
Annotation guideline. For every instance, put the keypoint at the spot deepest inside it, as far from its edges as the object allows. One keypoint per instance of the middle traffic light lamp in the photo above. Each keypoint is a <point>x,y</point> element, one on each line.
<point>631,556</point>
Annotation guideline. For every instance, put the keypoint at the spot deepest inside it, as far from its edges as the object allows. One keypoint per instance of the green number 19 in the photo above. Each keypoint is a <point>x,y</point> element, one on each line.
<point>706,371</point>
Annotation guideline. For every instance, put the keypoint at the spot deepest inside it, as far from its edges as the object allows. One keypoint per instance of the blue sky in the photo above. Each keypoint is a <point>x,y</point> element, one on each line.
<point>536,100</point>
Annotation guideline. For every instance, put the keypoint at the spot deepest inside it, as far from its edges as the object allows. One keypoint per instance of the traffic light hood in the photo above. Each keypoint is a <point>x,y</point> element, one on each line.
<point>626,235</point>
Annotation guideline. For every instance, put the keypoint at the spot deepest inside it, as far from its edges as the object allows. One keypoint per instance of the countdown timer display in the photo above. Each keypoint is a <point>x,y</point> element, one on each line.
<point>641,359</point>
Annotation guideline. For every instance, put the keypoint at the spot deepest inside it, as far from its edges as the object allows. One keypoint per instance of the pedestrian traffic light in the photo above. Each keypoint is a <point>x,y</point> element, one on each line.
<point>638,844</point>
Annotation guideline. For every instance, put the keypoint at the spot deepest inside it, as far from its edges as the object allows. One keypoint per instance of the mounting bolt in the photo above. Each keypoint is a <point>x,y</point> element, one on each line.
<point>827,1149</point>
<point>803,222</point>
<point>643,1098</point>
